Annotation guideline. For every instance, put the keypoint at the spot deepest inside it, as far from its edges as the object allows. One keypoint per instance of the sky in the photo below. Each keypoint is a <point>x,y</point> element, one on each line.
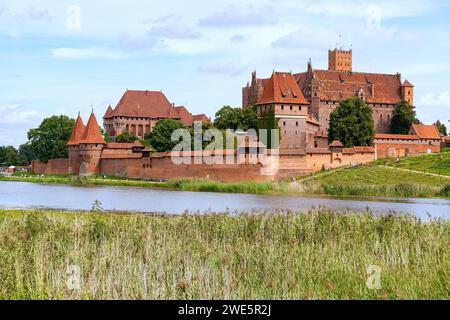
<point>65,57</point>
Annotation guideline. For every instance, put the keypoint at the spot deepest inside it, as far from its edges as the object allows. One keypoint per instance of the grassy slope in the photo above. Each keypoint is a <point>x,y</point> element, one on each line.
<point>375,180</point>
<point>435,163</point>
<point>317,255</point>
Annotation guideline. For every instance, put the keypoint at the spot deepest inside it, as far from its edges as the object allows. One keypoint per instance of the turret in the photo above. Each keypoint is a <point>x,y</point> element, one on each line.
<point>73,146</point>
<point>408,92</point>
<point>91,146</point>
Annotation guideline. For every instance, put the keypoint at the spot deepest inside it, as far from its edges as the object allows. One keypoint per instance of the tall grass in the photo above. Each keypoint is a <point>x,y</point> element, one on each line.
<point>318,255</point>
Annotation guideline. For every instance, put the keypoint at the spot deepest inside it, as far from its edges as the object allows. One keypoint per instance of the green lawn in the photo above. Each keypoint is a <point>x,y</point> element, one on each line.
<point>381,179</point>
<point>317,255</point>
<point>434,163</point>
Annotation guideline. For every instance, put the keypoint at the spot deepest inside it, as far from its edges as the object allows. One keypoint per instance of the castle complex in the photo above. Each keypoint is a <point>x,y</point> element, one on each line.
<point>138,112</point>
<point>325,89</point>
<point>298,106</point>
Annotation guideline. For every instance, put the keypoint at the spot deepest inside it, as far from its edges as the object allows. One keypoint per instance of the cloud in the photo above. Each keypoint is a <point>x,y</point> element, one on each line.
<point>86,53</point>
<point>306,36</point>
<point>17,114</point>
<point>228,69</point>
<point>129,42</point>
<point>171,27</point>
<point>27,14</point>
<point>237,38</point>
<point>174,30</point>
<point>240,16</point>
<point>435,100</point>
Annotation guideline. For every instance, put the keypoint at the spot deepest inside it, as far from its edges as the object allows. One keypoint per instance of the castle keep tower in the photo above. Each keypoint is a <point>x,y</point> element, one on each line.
<point>90,147</point>
<point>73,146</point>
<point>340,60</point>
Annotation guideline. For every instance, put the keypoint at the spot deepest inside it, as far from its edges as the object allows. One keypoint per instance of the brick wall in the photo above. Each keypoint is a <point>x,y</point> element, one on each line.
<point>53,166</point>
<point>388,148</point>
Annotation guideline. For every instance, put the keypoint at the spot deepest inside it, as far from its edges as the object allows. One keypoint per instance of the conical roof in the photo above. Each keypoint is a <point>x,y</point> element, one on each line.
<point>92,133</point>
<point>77,132</point>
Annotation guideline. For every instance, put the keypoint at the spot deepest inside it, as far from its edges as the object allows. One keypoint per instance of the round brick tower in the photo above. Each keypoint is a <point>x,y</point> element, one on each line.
<point>90,148</point>
<point>73,146</point>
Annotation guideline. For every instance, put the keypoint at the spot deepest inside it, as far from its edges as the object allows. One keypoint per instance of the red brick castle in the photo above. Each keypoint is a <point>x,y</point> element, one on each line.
<point>325,89</point>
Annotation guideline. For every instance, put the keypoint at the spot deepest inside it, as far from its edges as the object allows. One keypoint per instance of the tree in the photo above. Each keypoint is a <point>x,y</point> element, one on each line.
<point>105,135</point>
<point>404,117</point>
<point>352,124</point>
<point>248,119</point>
<point>126,137</point>
<point>160,137</point>
<point>49,140</point>
<point>236,118</point>
<point>26,152</point>
<point>9,156</point>
<point>441,127</point>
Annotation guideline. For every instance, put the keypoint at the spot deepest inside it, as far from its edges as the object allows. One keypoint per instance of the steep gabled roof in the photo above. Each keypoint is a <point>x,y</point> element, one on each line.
<point>341,85</point>
<point>108,113</point>
<point>92,133</point>
<point>147,104</point>
<point>407,84</point>
<point>282,88</point>
<point>426,131</point>
<point>77,132</point>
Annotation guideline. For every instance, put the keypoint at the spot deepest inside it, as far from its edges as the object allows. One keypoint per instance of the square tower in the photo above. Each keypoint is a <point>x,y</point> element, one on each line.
<point>340,60</point>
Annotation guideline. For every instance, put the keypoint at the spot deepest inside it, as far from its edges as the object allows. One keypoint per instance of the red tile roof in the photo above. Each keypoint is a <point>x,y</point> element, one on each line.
<point>282,88</point>
<point>336,143</point>
<point>77,132</point>
<point>407,84</point>
<point>201,117</point>
<point>92,133</point>
<point>108,113</point>
<point>340,85</point>
<point>396,136</point>
<point>146,104</point>
<point>426,131</point>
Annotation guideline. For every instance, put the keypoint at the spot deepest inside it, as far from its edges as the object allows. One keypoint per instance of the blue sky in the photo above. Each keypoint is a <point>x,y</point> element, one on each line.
<point>61,57</point>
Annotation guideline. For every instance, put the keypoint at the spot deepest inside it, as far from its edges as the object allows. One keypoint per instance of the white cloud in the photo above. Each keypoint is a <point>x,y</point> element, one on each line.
<point>86,53</point>
<point>234,16</point>
<point>17,114</point>
<point>171,27</point>
<point>129,42</point>
<point>434,106</point>
<point>223,68</point>
<point>306,36</point>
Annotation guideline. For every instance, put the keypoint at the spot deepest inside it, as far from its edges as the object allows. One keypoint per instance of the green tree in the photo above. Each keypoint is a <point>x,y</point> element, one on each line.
<point>26,152</point>
<point>404,117</point>
<point>248,119</point>
<point>352,123</point>
<point>441,127</point>
<point>126,137</point>
<point>160,137</point>
<point>9,156</point>
<point>49,140</point>
<point>236,118</point>
<point>105,135</point>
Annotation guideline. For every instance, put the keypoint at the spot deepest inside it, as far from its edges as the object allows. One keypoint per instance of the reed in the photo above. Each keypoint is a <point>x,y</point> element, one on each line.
<point>320,254</point>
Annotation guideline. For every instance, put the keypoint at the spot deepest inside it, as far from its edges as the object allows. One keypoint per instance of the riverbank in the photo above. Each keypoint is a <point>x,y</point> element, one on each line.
<point>319,255</point>
<point>426,176</point>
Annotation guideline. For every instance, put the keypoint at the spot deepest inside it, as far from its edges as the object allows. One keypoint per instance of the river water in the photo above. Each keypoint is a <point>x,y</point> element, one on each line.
<point>31,195</point>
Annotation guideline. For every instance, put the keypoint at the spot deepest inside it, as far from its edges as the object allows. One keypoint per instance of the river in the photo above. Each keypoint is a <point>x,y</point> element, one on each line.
<point>30,195</point>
